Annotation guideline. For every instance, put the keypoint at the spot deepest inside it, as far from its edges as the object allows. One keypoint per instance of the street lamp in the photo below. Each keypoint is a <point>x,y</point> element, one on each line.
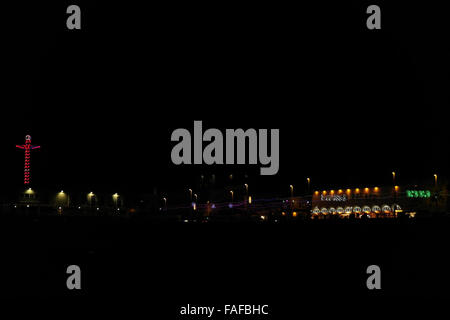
<point>246,189</point>
<point>190,194</point>
<point>393,178</point>
<point>232,196</point>
<point>195,196</point>
<point>89,197</point>
<point>292,190</point>
<point>435,180</point>
<point>62,199</point>
<point>29,193</point>
<point>115,199</point>
<point>308,180</point>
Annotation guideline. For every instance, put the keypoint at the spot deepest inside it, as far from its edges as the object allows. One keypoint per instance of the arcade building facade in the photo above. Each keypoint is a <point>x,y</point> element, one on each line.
<point>377,202</point>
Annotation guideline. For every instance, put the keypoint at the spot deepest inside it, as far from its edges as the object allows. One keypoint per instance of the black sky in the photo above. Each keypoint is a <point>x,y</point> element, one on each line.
<point>351,104</point>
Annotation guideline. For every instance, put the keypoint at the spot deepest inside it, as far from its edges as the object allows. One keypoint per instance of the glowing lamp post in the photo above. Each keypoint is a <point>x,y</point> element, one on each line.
<point>89,197</point>
<point>396,188</point>
<point>165,203</point>
<point>116,200</point>
<point>29,193</point>
<point>62,200</point>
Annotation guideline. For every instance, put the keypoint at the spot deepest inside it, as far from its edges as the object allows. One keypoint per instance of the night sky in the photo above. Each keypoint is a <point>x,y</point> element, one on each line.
<point>352,105</point>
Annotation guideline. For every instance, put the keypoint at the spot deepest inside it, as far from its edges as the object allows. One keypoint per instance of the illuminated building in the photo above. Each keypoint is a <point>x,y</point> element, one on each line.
<point>374,201</point>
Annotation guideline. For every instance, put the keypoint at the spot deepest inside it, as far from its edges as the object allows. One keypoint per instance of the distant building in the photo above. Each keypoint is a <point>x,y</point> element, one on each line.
<point>378,202</point>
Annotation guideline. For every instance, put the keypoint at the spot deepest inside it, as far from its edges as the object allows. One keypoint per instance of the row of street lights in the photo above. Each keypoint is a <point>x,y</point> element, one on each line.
<point>64,198</point>
<point>435,176</point>
<point>194,198</point>
<point>192,195</point>
<point>308,181</point>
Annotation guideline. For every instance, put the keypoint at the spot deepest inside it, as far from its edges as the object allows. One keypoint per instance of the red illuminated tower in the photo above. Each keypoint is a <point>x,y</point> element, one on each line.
<point>27,169</point>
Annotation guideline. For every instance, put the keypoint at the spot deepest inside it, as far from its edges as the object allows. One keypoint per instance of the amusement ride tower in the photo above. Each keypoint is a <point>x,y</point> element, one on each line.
<point>27,167</point>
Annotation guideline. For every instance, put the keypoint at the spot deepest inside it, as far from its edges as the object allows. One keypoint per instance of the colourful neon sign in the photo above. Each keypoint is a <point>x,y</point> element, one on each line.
<point>418,193</point>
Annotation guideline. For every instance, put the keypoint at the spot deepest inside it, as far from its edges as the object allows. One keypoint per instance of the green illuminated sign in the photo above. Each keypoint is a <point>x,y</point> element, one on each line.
<point>418,193</point>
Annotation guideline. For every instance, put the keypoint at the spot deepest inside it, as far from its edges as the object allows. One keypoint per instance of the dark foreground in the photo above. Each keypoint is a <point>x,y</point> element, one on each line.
<point>289,266</point>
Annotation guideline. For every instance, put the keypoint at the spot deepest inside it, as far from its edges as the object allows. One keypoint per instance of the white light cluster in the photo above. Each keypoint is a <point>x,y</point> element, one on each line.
<point>357,209</point>
<point>333,197</point>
